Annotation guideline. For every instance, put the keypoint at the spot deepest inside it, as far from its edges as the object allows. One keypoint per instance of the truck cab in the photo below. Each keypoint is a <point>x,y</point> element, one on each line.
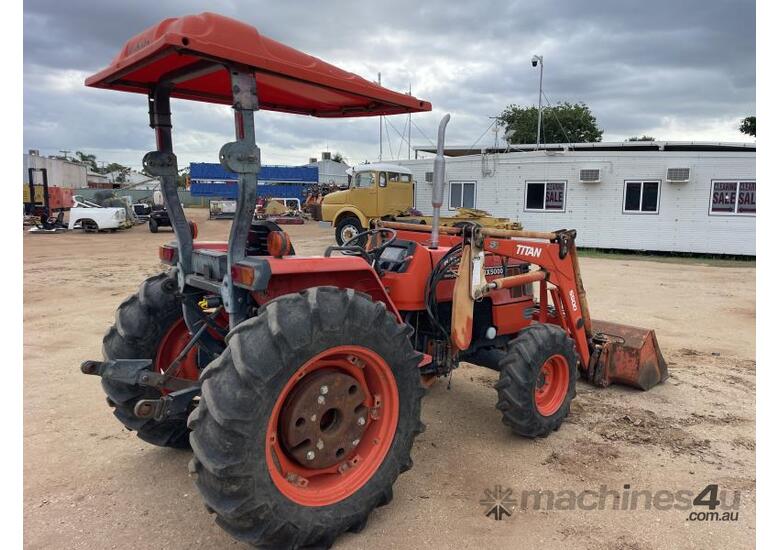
<point>375,191</point>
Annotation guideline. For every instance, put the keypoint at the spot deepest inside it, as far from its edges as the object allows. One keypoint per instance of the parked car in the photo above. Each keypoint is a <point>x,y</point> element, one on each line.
<point>158,217</point>
<point>142,211</point>
<point>91,217</point>
<point>97,218</point>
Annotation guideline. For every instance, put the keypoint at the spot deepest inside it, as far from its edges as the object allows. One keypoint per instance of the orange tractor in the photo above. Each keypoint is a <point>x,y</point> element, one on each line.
<point>297,381</point>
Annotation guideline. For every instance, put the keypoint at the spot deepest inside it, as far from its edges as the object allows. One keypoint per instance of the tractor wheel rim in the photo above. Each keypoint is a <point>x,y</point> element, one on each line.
<point>348,400</point>
<point>552,385</point>
<point>173,342</point>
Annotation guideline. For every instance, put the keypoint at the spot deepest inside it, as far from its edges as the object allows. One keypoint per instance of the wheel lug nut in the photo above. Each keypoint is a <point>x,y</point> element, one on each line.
<point>355,442</point>
<point>310,455</point>
<point>321,399</point>
<point>361,421</point>
<point>323,390</point>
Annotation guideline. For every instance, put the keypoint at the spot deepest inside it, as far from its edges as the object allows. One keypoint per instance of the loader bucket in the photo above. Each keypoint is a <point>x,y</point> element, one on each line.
<point>629,356</point>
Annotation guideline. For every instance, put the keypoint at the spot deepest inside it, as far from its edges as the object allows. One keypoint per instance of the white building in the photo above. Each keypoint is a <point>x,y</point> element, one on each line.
<point>655,196</point>
<point>329,170</point>
<point>59,173</point>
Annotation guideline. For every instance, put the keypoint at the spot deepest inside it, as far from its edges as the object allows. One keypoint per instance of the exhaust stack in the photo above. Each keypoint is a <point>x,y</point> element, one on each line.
<point>437,195</point>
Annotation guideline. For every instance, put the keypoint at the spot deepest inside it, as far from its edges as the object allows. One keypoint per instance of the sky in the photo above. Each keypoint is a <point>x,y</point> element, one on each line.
<point>675,70</point>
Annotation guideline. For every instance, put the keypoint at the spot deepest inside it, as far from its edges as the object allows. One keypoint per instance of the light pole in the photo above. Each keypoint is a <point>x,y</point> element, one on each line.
<point>540,60</point>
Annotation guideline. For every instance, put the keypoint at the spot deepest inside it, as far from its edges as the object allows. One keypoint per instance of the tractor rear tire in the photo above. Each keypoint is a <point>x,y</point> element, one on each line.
<point>348,228</point>
<point>153,226</point>
<point>537,381</point>
<point>141,323</point>
<point>238,446</point>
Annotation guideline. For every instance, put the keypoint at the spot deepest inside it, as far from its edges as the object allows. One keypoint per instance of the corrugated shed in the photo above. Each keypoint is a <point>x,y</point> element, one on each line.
<point>683,222</point>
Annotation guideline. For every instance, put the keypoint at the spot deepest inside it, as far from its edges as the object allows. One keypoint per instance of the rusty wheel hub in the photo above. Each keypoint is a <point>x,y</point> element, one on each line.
<point>324,418</point>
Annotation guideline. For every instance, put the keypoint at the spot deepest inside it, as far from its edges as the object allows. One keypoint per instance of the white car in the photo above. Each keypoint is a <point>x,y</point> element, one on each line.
<point>90,217</point>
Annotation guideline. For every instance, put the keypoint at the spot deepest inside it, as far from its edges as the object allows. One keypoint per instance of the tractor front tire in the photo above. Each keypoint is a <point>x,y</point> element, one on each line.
<point>537,381</point>
<point>142,323</point>
<point>261,486</point>
<point>153,226</point>
<point>347,228</point>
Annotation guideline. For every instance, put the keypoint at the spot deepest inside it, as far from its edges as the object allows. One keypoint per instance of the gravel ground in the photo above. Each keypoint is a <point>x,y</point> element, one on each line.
<point>88,483</point>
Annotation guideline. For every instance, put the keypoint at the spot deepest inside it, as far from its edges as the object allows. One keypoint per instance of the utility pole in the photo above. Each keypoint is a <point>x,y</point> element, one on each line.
<point>380,123</point>
<point>534,60</point>
<point>409,137</point>
<point>65,153</point>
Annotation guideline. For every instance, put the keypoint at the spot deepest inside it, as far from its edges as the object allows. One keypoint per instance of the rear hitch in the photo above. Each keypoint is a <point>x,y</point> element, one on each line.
<point>135,372</point>
<point>171,405</point>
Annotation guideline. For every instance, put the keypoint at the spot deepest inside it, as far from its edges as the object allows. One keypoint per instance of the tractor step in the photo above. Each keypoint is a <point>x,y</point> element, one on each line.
<point>625,355</point>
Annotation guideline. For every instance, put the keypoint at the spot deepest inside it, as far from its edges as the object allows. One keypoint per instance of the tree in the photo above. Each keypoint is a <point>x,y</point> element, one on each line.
<point>337,157</point>
<point>643,138</point>
<point>88,159</point>
<point>561,123</point>
<point>748,126</point>
<point>121,171</point>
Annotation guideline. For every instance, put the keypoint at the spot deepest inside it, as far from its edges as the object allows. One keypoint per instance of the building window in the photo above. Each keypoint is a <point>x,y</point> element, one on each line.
<point>463,194</point>
<point>641,197</point>
<point>733,197</point>
<point>429,177</point>
<point>545,195</point>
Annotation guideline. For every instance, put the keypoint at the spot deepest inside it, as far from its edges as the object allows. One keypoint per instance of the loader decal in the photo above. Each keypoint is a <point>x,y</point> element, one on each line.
<point>532,251</point>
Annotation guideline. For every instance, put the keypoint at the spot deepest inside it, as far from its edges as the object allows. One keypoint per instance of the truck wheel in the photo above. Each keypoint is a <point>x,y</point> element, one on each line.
<point>89,226</point>
<point>306,419</point>
<point>537,381</point>
<point>149,325</point>
<point>153,227</point>
<point>348,228</point>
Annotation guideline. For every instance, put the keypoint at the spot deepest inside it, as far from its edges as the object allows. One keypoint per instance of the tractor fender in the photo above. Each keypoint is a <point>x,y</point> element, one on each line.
<point>350,211</point>
<point>293,274</point>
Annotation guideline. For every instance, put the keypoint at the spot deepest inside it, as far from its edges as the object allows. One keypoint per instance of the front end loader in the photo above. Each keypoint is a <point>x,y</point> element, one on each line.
<point>297,381</point>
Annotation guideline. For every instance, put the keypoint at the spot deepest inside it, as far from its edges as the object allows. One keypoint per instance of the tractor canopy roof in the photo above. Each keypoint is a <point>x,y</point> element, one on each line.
<point>191,54</point>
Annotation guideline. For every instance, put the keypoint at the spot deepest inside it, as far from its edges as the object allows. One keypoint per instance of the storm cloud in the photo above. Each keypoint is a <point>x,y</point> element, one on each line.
<point>674,70</point>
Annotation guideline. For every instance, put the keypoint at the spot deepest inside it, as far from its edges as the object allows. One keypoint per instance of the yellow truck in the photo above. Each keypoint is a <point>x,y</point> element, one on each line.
<point>386,191</point>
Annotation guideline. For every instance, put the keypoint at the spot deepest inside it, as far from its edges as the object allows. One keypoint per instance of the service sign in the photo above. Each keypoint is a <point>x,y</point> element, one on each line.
<point>555,195</point>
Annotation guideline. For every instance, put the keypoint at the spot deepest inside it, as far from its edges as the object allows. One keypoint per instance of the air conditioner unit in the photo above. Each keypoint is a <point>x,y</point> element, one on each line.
<point>678,175</point>
<point>590,175</point>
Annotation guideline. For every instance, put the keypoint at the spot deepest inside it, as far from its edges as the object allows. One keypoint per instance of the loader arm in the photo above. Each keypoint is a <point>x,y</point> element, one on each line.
<point>612,353</point>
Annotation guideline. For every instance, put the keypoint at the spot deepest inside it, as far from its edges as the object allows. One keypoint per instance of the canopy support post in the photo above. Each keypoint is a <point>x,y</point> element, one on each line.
<point>163,163</point>
<point>241,157</point>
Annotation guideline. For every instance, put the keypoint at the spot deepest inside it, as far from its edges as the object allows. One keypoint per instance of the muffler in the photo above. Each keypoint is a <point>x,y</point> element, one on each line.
<point>625,355</point>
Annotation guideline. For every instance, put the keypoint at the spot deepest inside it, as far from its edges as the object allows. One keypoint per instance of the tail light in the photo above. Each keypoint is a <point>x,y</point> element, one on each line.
<point>193,230</point>
<point>278,244</point>
<point>242,275</point>
<point>167,254</point>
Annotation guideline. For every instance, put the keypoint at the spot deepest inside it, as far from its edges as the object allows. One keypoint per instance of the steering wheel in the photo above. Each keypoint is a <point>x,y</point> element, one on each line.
<point>374,253</point>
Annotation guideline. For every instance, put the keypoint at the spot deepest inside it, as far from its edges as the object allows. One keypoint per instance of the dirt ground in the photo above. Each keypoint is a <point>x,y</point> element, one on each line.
<point>88,483</point>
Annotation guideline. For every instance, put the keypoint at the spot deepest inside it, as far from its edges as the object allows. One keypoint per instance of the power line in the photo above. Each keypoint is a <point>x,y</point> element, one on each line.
<point>568,140</point>
<point>483,135</point>
<point>423,133</point>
